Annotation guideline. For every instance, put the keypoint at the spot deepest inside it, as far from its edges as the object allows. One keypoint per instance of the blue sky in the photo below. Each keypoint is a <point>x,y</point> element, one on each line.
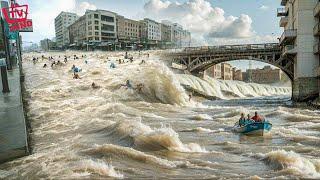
<point>211,22</point>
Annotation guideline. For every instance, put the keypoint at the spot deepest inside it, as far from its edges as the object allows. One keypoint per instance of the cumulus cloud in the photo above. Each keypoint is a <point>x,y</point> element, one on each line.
<point>83,7</point>
<point>207,23</point>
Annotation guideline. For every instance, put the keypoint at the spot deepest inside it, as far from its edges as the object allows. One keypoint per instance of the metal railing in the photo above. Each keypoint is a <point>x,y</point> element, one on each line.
<point>289,49</point>
<point>268,46</point>
<point>289,33</point>
<point>283,21</point>
<point>316,11</point>
<point>282,12</point>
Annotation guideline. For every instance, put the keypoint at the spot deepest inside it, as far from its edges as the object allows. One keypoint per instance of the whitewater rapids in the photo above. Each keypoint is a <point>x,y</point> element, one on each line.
<point>80,132</point>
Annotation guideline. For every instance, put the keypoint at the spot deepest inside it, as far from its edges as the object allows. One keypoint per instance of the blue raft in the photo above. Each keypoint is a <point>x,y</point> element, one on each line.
<point>253,128</point>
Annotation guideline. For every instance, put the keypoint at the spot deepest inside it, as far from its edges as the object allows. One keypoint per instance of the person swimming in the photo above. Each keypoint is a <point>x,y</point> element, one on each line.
<point>139,87</point>
<point>112,65</point>
<point>128,85</point>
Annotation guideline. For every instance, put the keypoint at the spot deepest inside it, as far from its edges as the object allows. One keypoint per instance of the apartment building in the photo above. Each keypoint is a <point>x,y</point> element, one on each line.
<point>61,22</point>
<point>127,29</point>
<point>78,32</point>
<point>226,71</point>
<point>101,26</point>
<point>105,28</point>
<point>214,71</point>
<point>300,42</point>
<point>150,30</point>
<point>237,74</point>
<point>94,27</point>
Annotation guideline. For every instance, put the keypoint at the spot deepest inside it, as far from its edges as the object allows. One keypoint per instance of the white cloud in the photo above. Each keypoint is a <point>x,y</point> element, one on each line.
<point>264,7</point>
<point>83,7</point>
<point>207,24</point>
<point>43,15</point>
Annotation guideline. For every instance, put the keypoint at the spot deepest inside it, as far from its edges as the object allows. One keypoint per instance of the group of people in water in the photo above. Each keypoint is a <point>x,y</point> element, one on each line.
<point>245,120</point>
<point>76,70</point>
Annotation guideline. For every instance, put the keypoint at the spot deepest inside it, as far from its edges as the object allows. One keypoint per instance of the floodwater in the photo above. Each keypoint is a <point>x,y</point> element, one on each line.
<point>83,133</point>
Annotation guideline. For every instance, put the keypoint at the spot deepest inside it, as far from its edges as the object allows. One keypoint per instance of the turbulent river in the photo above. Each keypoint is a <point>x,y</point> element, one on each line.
<point>83,133</point>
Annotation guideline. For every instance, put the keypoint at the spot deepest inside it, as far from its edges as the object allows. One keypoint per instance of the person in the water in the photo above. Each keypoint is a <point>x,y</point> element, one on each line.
<point>139,87</point>
<point>112,65</point>
<point>94,86</point>
<point>128,85</point>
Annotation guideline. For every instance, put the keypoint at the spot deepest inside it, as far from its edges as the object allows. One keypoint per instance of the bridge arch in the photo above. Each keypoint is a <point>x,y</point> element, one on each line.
<point>196,68</point>
<point>198,59</point>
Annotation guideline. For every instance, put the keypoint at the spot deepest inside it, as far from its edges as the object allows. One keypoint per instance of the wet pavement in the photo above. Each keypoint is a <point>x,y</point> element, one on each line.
<point>13,134</point>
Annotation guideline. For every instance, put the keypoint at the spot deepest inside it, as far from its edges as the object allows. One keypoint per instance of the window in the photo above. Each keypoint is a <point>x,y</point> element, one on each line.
<point>96,33</point>
<point>96,27</point>
<point>90,28</point>
<point>96,38</point>
<point>106,27</point>
<point>96,16</point>
<point>96,22</point>
<point>107,34</point>
<point>107,18</point>
<point>89,22</point>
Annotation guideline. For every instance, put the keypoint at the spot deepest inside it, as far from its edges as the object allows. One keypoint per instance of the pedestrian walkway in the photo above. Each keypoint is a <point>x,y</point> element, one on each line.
<point>13,134</point>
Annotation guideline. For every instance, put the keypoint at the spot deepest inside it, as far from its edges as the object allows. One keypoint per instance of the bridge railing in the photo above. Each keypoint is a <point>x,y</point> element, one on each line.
<point>271,46</point>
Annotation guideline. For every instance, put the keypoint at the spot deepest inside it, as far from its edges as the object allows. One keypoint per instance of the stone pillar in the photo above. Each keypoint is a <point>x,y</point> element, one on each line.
<point>305,89</point>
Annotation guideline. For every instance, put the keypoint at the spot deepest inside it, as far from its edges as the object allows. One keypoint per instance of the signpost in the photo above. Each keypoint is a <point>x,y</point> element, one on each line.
<point>4,76</point>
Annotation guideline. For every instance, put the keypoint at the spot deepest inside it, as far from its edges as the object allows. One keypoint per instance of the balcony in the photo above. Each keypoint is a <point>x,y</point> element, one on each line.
<point>316,30</point>
<point>316,48</point>
<point>282,12</point>
<point>288,36</point>
<point>284,2</point>
<point>283,21</point>
<point>316,11</point>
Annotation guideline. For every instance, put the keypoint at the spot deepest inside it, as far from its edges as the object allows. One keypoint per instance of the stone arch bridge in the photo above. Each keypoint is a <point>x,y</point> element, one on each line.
<point>198,59</point>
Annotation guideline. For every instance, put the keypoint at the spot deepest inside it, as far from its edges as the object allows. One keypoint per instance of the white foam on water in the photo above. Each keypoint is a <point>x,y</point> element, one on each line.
<point>292,162</point>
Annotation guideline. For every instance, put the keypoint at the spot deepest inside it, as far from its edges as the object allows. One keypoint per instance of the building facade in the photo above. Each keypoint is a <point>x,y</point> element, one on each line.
<point>166,35</point>
<point>226,71</point>
<point>47,45</point>
<point>128,32</point>
<point>300,43</point>
<point>214,71</point>
<point>101,26</point>
<point>237,74</point>
<point>61,22</point>
<point>78,32</point>
<point>151,30</point>
<point>179,36</point>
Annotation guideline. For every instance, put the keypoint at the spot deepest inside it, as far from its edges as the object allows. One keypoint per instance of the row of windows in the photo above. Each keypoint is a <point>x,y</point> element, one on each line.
<point>103,17</point>
<point>104,27</point>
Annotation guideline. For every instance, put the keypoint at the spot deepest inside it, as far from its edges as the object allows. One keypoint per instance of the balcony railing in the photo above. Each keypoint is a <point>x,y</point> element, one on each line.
<point>316,29</point>
<point>316,48</point>
<point>289,49</point>
<point>284,2</point>
<point>288,35</point>
<point>316,11</point>
<point>282,12</point>
<point>283,21</point>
